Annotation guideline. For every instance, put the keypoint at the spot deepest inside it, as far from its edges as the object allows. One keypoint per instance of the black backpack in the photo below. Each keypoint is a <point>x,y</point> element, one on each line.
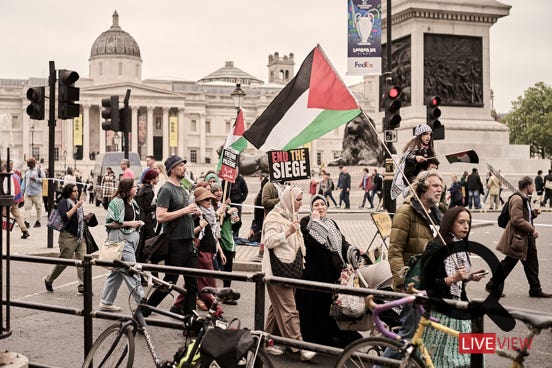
<point>504,216</point>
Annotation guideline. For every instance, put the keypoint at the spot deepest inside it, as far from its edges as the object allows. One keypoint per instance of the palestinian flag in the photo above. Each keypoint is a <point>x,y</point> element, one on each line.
<point>312,104</point>
<point>469,157</point>
<point>235,139</point>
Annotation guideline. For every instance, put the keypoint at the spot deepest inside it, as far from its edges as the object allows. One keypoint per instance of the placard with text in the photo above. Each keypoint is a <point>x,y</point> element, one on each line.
<point>229,168</point>
<point>289,165</point>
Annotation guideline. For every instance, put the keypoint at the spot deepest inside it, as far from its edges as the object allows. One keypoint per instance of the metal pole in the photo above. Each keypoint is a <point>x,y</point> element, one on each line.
<point>259,301</point>
<point>389,204</point>
<point>88,324</point>
<point>51,146</point>
<point>127,121</point>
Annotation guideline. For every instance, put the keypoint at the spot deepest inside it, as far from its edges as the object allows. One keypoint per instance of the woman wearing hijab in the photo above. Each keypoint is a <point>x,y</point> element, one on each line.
<point>449,281</point>
<point>328,252</point>
<point>123,223</point>
<point>71,237</point>
<point>282,238</point>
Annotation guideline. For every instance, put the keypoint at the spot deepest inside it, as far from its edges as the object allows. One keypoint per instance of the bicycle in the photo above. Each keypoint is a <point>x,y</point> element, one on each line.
<point>365,352</point>
<point>115,346</point>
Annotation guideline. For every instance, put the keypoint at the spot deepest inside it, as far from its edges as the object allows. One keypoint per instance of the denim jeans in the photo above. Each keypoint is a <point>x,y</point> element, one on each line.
<point>409,318</point>
<point>116,277</point>
<point>475,198</point>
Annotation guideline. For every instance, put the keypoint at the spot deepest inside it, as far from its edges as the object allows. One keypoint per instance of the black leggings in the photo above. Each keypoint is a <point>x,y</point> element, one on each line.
<point>182,253</point>
<point>228,266</point>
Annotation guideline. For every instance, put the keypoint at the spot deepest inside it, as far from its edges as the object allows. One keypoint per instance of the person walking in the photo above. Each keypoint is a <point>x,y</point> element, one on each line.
<point>329,187</point>
<point>464,182</point>
<point>127,171</point>
<point>518,241</point>
<point>493,189</point>
<point>33,190</point>
<point>150,165</point>
<point>123,224</point>
<point>539,187</point>
<point>144,199</point>
<point>344,183</point>
<point>176,210</point>
<point>411,229</point>
<point>456,197</point>
<point>367,185</point>
<point>377,179</point>
<point>109,187</point>
<point>285,243</point>
<point>15,190</point>
<point>71,241</point>
<point>547,189</point>
<point>475,188</point>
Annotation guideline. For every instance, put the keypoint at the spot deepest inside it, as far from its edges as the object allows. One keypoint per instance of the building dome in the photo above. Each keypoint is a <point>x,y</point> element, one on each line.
<point>115,42</point>
<point>229,73</point>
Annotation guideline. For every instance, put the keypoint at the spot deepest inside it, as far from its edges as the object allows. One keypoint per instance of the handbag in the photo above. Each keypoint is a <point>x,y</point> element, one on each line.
<point>347,307</point>
<point>156,248</point>
<point>293,270</point>
<point>55,221</point>
<point>548,184</point>
<point>111,250</point>
<point>91,219</point>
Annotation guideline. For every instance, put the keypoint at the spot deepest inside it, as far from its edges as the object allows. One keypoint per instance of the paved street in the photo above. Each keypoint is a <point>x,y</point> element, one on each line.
<point>45,336</point>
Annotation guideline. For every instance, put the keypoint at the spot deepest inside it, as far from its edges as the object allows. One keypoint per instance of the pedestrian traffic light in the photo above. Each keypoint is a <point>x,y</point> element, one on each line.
<point>68,94</point>
<point>110,113</point>
<point>433,113</point>
<point>392,119</point>
<point>35,110</point>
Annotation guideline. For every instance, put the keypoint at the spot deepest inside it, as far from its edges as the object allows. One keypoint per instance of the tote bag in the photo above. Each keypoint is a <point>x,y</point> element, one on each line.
<point>111,250</point>
<point>55,221</point>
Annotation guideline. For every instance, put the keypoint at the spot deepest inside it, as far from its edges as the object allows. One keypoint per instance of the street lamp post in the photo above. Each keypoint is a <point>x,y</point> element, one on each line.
<point>116,140</point>
<point>237,95</point>
<point>32,141</point>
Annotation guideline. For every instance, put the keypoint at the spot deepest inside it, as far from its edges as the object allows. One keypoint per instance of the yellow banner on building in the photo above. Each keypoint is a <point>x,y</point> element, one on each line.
<point>77,131</point>
<point>173,131</point>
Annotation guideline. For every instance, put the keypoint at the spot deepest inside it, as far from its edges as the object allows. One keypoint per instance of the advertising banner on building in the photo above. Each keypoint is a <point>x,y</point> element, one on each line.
<point>364,37</point>
<point>77,131</point>
<point>289,165</point>
<point>173,131</point>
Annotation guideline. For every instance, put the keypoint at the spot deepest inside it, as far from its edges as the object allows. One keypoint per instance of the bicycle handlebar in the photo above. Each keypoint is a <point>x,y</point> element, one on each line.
<point>157,281</point>
<point>378,308</point>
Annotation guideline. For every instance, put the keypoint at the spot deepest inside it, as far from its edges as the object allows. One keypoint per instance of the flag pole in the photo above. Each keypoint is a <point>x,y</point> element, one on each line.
<point>224,201</point>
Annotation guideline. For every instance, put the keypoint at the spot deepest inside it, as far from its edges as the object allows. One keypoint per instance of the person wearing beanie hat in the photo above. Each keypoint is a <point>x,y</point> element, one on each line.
<point>150,175</point>
<point>215,187</point>
<point>176,211</point>
<point>417,152</point>
<point>327,253</point>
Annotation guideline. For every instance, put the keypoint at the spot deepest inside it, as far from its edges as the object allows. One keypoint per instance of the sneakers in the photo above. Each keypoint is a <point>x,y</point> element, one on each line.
<point>307,355</point>
<point>540,294</point>
<point>25,235</point>
<point>109,307</point>
<point>274,350</point>
<point>27,224</point>
<point>48,285</point>
<point>37,224</point>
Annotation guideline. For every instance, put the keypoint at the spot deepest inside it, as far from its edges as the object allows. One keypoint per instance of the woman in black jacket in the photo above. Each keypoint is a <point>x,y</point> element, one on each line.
<point>144,198</point>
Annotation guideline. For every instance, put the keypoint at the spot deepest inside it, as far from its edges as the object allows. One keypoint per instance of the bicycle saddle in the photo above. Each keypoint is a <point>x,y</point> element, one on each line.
<point>539,321</point>
<point>224,294</point>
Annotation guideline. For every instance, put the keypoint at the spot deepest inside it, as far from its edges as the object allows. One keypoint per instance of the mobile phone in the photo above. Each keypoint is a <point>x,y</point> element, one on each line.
<point>482,273</point>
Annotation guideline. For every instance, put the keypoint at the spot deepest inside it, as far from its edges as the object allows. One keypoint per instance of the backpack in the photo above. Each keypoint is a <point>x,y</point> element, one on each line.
<point>414,272</point>
<point>504,216</point>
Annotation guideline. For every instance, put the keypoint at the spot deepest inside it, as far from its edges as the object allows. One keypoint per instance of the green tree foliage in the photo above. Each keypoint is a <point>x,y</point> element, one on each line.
<point>530,120</point>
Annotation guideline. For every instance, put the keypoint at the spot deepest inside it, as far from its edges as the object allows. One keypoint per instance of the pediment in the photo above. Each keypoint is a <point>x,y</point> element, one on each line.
<point>121,88</point>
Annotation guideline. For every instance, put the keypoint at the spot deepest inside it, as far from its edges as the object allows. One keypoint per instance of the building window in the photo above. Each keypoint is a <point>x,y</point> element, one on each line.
<point>207,126</point>
<point>36,152</point>
<point>208,154</point>
<point>56,153</point>
<point>193,156</point>
<point>158,123</point>
<point>228,126</point>
<point>193,126</point>
<point>319,158</point>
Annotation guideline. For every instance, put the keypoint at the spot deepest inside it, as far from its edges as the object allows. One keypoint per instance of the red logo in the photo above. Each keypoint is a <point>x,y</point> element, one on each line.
<point>487,343</point>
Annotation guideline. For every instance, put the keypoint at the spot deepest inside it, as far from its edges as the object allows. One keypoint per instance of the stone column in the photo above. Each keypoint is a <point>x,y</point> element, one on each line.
<point>86,132</point>
<point>149,124</point>
<point>201,153</point>
<point>134,128</point>
<point>102,132</point>
<point>182,134</point>
<point>165,128</point>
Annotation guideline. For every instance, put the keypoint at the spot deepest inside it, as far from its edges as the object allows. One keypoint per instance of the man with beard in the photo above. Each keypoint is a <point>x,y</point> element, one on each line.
<point>175,211</point>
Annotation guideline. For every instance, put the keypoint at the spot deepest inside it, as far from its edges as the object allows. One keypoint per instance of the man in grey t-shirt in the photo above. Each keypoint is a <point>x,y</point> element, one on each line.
<point>175,212</point>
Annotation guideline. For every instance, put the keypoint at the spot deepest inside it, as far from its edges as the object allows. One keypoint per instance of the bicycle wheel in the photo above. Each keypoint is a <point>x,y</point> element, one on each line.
<point>359,353</point>
<point>112,349</point>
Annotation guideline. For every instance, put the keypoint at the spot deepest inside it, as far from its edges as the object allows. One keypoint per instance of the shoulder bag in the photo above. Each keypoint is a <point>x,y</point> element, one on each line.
<point>156,248</point>
<point>55,221</point>
<point>293,270</point>
<point>111,250</point>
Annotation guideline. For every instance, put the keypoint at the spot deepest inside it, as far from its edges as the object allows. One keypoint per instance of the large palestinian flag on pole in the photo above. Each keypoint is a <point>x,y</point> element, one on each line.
<point>312,104</point>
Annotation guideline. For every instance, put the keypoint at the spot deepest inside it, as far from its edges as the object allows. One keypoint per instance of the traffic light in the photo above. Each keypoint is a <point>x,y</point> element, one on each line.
<point>433,113</point>
<point>125,117</point>
<point>68,94</point>
<point>35,110</point>
<point>111,113</point>
<point>392,119</point>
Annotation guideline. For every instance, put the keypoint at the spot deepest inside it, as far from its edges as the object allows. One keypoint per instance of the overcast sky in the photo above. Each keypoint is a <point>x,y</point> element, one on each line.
<point>190,39</point>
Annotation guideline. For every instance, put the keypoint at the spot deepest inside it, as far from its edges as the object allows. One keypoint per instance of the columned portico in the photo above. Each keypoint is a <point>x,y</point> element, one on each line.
<point>134,132</point>
<point>86,132</point>
<point>165,132</point>
<point>149,125</point>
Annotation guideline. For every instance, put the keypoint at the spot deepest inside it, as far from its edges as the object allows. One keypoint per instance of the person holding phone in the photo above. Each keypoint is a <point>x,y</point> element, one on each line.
<point>449,283</point>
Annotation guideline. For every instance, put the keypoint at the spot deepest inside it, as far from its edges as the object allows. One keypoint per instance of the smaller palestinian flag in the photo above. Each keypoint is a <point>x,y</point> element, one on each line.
<point>235,139</point>
<point>313,103</point>
<point>469,157</point>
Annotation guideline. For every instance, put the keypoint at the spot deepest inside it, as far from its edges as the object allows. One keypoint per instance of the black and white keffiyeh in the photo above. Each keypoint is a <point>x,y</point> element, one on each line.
<point>459,259</point>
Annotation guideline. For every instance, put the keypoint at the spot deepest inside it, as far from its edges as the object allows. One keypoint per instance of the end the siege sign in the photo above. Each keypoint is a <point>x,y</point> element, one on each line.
<point>289,165</point>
